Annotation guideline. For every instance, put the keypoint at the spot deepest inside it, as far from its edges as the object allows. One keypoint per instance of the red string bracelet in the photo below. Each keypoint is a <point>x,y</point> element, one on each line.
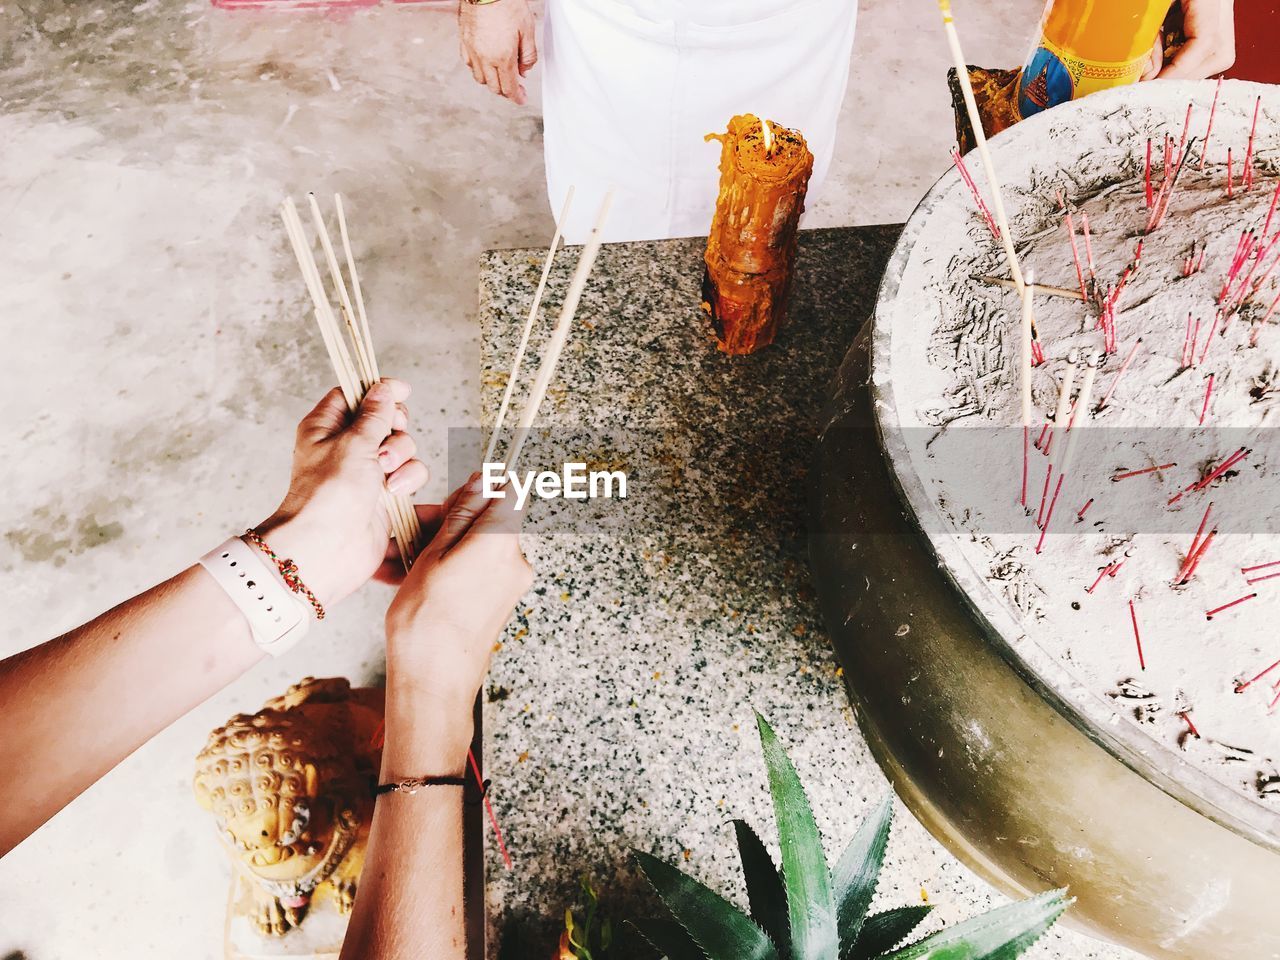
<point>288,572</point>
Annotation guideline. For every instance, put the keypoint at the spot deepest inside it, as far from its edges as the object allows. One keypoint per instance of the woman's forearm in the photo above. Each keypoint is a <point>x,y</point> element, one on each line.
<point>78,705</point>
<point>88,699</point>
<point>410,900</point>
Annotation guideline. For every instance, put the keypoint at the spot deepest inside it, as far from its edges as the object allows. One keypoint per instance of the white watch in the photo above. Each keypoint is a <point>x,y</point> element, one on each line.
<point>277,617</point>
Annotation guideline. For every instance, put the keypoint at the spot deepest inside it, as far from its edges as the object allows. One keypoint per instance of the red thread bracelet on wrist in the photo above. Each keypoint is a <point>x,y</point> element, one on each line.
<point>288,572</point>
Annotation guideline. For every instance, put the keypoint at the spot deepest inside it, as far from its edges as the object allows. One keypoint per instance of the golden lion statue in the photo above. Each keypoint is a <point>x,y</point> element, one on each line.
<point>291,789</point>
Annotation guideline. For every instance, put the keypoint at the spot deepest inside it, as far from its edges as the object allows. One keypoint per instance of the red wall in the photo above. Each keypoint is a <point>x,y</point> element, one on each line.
<point>1257,41</point>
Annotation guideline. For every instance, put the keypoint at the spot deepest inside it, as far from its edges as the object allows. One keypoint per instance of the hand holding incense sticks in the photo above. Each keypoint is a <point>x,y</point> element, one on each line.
<point>750,259</point>
<point>355,377</point>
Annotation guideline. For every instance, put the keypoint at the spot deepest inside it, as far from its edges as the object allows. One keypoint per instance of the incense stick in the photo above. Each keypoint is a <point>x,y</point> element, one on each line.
<point>980,137</point>
<point>409,514</point>
<point>350,379</point>
<point>364,368</point>
<point>405,516</point>
<point>1204,151</point>
<point>355,283</point>
<point>559,336</point>
<point>1073,435</point>
<point>1040,288</point>
<point>514,375</point>
<point>1028,295</point>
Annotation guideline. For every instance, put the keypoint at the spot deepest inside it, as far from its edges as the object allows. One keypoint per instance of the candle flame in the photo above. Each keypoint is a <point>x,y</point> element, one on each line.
<point>768,137</point>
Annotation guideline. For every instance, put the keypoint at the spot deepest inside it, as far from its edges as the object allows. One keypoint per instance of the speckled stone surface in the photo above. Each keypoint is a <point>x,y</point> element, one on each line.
<point>618,712</point>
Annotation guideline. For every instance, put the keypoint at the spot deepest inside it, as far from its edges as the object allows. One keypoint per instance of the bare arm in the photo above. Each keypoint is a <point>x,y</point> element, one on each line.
<point>441,630</point>
<point>89,698</point>
<point>410,902</point>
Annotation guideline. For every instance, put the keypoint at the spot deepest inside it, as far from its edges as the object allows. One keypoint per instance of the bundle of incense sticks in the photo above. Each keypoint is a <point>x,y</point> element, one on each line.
<point>350,349</point>
<point>559,336</point>
<point>349,343</point>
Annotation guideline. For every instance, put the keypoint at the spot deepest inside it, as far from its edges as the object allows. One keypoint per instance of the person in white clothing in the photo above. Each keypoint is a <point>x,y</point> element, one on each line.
<point>631,88</point>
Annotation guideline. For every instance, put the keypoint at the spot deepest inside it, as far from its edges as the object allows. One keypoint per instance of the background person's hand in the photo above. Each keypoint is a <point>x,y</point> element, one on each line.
<point>332,522</point>
<point>497,42</point>
<point>452,607</point>
<point>1209,26</point>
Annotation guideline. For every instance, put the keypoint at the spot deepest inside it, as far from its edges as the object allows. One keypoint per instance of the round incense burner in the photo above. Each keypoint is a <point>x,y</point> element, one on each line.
<point>1006,699</point>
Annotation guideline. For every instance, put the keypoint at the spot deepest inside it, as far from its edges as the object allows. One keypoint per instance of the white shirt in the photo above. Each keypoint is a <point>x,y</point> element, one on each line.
<point>631,87</point>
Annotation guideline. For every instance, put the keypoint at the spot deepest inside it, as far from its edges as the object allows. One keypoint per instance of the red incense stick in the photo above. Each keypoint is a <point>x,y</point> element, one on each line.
<point>1188,345</point>
<point>1040,439</point>
<point>1088,245</point>
<point>1186,716</point>
<point>1120,373</point>
<point>1026,455</point>
<point>493,819</point>
<point>1204,151</point>
<point>1137,636</point>
<point>977,195</point>
<point>1266,227</point>
<point>1075,255</point>
<point>1269,576</point>
<point>1204,522</point>
<point>1246,175</point>
<point>1270,310</point>
<point>1260,254</point>
<point>1182,141</point>
<point>1242,687</point>
<point>1204,409</point>
<point>1208,341</point>
<point>1137,473</point>
<point>1048,517</point>
<point>1257,284</point>
<point>1044,494</point>
<point>1193,561</point>
<point>1101,574</point>
<point>1209,614</point>
<point>1260,566</point>
<point>1222,468</point>
<point>1146,176</point>
<point>1080,515</point>
<point>1243,245</point>
<point>1229,175</point>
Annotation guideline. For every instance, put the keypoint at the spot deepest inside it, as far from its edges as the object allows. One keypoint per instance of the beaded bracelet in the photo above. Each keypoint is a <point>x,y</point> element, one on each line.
<point>288,572</point>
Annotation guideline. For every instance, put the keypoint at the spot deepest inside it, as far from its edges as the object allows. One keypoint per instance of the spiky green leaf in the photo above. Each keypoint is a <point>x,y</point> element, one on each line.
<point>722,930</point>
<point>669,939</point>
<point>810,904</point>
<point>884,931</point>
<point>765,892</point>
<point>858,871</point>
<point>1001,934</point>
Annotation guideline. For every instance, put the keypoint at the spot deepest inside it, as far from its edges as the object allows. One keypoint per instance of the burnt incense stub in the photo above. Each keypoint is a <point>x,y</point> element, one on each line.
<point>751,250</point>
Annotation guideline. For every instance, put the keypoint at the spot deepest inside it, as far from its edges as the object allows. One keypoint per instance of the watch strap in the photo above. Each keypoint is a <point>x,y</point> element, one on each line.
<point>277,618</point>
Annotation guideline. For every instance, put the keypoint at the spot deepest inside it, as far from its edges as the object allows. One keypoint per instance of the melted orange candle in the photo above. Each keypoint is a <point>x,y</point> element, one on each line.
<point>764,175</point>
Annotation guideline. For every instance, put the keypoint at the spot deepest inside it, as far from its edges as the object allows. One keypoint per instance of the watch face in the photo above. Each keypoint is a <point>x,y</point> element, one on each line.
<point>1045,82</point>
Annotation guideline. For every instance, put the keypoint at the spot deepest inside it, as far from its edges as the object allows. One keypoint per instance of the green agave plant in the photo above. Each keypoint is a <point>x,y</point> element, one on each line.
<point>809,912</point>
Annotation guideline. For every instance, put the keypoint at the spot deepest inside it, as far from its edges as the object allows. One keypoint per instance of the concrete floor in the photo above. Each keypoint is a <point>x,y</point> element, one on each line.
<point>160,354</point>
